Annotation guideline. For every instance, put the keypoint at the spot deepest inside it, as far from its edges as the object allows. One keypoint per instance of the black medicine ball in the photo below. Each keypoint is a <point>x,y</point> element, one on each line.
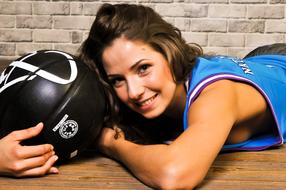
<point>57,89</point>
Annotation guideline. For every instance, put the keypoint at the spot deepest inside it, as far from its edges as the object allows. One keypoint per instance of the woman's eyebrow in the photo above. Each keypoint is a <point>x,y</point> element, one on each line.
<point>136,64</point>
<point>113,76</point>
<point>132,67</point>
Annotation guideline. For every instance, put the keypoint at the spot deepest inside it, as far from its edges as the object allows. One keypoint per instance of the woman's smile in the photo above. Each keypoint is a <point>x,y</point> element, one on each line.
<point>147,103</point>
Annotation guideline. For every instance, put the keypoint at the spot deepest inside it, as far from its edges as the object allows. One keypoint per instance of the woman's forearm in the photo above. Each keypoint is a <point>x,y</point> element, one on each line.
<point>158,165</point>
<point>147,162</point>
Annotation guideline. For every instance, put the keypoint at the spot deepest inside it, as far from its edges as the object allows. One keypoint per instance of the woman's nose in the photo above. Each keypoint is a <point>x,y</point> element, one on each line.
<point>135,89</point>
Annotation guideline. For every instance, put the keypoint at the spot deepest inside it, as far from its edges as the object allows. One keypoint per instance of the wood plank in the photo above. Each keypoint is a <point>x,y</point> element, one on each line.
<point>235,171</point>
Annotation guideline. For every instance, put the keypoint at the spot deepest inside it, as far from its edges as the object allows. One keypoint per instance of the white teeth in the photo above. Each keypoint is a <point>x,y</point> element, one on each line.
<point>147,102</point>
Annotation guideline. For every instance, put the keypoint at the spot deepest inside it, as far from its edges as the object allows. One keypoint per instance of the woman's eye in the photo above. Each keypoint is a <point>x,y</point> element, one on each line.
<point>143,69</point>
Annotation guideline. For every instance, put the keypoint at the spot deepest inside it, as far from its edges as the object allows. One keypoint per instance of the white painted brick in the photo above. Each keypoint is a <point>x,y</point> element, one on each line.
<point>72,22</point>
<point>226,40</point>
<point>223,26</point>
<point>196,10</point>
<point>254,40</point>
<point>12,8</point>
<point>57,36</point>
<point>34,21</point>
<point>174,10</point>
<point>69,48</point>
<point>177,1</point>
<point>160,1</point>
<point>76,37</point>
<point>183,24</point>
<point>7,8</point>
<point>7,49</point>
<point>51,8</point>
<point>7,21</point>
<point>275,26</point>
<point>91,8</point>
<point>248,1</point>
<point>215,50</point>
<point>118,1</point>
<point>15,35</point>
<point>238,52</point>
<point>199,38</point>
<point>246,26</point>
<point>266,11</point>
<point>203,25</point>
<point>207,1</point>
<point>227,11</point>
<point>179,10</point>
<point>24,48</point>
<point>24,8</point>
<point>278,1</point>
<point>76,8</point>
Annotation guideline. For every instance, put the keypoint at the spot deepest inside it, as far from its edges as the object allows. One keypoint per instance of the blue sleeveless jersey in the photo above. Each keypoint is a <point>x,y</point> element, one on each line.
<point>267,73</point>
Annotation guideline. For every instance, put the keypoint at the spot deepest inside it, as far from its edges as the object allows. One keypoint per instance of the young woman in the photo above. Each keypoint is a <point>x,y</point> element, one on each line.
<point>225,103</point>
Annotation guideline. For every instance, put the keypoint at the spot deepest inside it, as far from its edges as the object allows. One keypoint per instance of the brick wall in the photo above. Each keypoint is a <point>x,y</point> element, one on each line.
<point>232,27</point>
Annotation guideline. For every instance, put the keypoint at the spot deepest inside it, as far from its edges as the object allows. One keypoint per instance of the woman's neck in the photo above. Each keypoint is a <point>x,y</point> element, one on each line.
<point>177,105</point>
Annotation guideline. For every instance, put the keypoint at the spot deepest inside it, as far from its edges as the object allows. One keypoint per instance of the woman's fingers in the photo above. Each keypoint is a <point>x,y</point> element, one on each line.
<point>34,151</point>
<point>28,151</point>
<point>42,169</point>
<point>18,167</point>
<point>34,162</point>
<point>19,161</point>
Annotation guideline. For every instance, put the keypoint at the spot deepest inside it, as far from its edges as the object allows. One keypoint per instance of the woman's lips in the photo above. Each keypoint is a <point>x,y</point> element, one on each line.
<point>146,102</point>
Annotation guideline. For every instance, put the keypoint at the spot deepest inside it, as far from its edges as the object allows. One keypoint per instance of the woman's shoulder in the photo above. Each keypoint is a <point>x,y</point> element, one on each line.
<point>240,98</point>
<point>213,98</point>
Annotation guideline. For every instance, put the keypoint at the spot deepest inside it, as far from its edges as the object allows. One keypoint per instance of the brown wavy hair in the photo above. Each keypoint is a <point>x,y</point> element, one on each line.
<point>138,22</point>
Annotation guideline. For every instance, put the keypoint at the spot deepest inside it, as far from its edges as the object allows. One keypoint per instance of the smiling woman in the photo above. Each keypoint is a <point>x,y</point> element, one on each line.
<point>232,103</point>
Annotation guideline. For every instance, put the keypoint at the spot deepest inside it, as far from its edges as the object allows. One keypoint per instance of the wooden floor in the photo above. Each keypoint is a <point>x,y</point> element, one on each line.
<point>231,171</point>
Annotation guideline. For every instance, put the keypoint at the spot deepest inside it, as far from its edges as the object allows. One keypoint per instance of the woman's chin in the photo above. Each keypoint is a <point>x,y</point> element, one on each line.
<point>151,114</point>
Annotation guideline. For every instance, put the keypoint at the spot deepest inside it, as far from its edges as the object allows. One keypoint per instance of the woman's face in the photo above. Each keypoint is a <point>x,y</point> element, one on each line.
<point>140,76</point>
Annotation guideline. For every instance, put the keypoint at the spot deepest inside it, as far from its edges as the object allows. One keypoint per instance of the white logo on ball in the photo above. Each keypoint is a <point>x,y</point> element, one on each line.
<point>68,129</point>
<point>4,77</point>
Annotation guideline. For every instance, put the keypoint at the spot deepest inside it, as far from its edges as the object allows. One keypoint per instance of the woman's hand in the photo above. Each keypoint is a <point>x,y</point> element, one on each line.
<point>21,161</point>
<point>107,140</point>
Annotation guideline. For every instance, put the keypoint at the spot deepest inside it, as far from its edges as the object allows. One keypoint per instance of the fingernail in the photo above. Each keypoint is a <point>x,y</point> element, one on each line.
<point>54,170</point>
<point>56,158</point>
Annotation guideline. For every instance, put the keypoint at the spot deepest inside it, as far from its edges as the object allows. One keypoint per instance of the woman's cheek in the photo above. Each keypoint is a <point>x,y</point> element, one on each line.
<point>152,78</point>
<point>122,94</point>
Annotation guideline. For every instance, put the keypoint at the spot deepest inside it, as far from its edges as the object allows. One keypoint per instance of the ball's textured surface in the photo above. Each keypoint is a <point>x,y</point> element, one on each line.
<point>55,88</point>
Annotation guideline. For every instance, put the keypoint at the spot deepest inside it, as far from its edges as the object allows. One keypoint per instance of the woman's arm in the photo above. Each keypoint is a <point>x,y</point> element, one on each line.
<point>185,162</point>
<point>19,161</point>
